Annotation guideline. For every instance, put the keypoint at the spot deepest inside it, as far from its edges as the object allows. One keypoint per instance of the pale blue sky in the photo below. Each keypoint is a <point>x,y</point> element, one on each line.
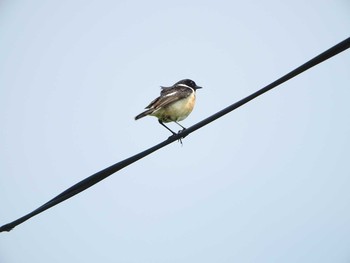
<point>267,183</point>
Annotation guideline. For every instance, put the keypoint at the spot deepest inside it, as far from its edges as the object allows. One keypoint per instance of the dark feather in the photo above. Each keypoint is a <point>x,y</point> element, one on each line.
<point>143,114</point>
<point>165,99</point>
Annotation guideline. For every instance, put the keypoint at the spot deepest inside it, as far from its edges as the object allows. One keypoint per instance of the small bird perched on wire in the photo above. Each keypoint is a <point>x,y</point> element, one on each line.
<point>175,103</point>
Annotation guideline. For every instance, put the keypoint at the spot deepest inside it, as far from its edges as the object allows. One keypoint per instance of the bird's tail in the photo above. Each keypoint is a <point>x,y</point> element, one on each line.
<point>143,114</point>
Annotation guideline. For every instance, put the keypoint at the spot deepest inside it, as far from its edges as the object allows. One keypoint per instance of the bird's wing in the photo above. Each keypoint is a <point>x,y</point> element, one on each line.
<point>166,90</point>
<point>168,96</point>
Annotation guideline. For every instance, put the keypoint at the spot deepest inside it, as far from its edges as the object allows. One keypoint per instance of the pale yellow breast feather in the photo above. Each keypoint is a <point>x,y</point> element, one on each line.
<point>177,111</point>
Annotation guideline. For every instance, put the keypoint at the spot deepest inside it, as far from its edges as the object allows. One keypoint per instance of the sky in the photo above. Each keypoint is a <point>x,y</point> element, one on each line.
<point>268,182</point>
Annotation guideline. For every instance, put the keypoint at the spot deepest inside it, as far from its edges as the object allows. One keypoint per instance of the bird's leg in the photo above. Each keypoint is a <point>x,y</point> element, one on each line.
<point>161,123</point>
<point>183,128</point>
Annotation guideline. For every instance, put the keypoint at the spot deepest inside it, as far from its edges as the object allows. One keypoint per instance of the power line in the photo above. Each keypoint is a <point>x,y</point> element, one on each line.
<point>97,177</point>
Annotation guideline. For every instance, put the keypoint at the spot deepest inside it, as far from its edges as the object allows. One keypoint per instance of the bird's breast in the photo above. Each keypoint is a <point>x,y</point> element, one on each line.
<point>178,110</point>
<point>182,108</point>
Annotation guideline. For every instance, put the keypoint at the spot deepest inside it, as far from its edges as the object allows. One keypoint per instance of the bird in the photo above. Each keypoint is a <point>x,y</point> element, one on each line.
<point>174,104</point>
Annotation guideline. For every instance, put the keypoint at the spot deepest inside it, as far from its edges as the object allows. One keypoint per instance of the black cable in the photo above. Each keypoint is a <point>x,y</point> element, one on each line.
<point>95,178</point>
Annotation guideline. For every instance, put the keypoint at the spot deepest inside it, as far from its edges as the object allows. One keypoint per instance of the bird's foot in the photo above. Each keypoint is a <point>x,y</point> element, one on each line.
<point>180,131</point>
<point>175,134</point>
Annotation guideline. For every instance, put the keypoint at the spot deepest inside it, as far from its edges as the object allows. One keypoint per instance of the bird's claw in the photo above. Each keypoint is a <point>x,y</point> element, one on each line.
<point>175,134</point>
<point>180,131</point>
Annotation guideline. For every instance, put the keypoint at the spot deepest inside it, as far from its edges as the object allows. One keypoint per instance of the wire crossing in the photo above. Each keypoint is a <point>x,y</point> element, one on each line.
<point>99,176</point>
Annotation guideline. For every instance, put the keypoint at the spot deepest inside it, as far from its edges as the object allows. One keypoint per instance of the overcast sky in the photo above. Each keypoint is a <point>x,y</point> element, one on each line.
<point>267,183</point>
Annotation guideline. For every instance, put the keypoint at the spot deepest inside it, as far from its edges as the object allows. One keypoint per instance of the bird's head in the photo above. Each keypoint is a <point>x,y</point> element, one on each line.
<point>188,82</point>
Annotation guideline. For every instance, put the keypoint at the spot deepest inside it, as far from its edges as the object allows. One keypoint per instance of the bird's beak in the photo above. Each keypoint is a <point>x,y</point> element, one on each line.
<point>198,87</point>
